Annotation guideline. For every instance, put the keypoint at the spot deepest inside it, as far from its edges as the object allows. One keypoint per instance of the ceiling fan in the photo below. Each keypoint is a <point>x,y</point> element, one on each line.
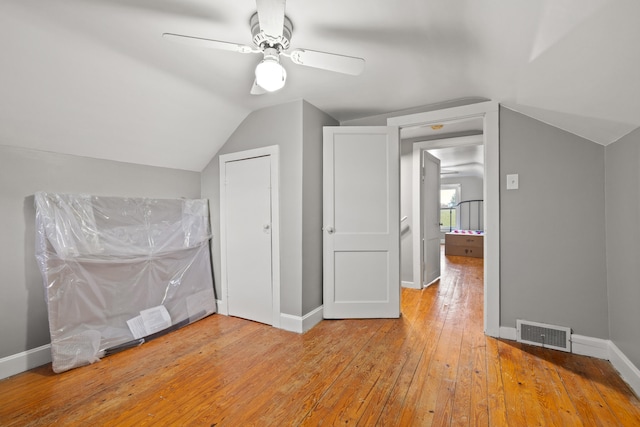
<point>271,31</point>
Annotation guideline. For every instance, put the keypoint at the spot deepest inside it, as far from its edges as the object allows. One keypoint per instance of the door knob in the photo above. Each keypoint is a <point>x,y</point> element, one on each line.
<point>330,230</point>
<point>266,228</point>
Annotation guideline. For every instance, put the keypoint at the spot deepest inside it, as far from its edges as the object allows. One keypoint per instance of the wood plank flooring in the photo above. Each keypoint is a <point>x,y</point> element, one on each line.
<point>433,366</point>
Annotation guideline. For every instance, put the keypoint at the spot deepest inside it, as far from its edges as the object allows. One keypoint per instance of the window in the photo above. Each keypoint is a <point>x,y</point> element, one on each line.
<point>449,199</point>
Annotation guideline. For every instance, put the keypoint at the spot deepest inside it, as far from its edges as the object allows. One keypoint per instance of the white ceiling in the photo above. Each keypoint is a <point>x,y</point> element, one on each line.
<point>460,161</point>
<point>95,78</point>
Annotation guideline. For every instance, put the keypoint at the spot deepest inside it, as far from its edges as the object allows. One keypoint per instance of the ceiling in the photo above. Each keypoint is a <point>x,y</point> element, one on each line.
<point>95,78</point>
<point>460,161</point>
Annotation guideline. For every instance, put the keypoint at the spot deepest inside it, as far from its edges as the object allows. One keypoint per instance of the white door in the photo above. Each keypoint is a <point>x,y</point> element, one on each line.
<point>248,238</point>
<point>431,226</point>
<point>361,179</point>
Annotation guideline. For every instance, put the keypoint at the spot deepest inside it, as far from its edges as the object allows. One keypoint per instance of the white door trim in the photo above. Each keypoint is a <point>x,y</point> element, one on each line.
<point>489,111</point>
<point>271,151</point>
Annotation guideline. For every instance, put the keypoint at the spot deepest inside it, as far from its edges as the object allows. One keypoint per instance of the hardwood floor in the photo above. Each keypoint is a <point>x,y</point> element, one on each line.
<point>433,366</point>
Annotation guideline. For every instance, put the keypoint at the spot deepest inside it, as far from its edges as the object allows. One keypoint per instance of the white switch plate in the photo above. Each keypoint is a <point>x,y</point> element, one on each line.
<point>512,181</point>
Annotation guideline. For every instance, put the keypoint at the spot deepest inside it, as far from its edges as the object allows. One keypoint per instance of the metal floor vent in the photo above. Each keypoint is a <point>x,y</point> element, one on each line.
<point>540,334</point>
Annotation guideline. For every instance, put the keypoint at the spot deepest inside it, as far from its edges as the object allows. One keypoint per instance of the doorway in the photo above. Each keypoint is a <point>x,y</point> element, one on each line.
<point>488,113</point>
<point>459,158</point>
<point>249,235</point>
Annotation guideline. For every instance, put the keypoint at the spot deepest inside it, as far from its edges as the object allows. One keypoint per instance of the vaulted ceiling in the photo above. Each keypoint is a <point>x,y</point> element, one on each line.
<point>95,78</point>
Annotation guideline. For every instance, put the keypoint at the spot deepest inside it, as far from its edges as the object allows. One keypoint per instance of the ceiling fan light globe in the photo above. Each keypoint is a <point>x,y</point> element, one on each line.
<point>270,75</point>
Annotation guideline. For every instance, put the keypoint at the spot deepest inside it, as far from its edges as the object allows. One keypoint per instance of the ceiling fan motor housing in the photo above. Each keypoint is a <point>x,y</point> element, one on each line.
<point>263,40</point>
<point>272,38</point>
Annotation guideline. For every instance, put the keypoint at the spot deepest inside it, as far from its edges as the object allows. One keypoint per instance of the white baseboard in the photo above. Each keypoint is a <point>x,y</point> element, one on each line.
<point>222,307</point>
<point>288,322</point>
<point>20,362</point>
<point>431,282</point>
<point>302,324</point>
<point>508,333</point>
<point>580,344</point>
<point>589,346</point>
<point>598,348</point>
<point>628,371</point>
<point>406,284</point>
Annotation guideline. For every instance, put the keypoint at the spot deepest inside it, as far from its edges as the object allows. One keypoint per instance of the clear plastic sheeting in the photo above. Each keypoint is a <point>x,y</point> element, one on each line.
<point>119,271</point>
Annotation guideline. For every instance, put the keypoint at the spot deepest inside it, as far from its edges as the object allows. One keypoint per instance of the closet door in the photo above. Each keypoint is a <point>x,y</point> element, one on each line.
<point>248,238</point>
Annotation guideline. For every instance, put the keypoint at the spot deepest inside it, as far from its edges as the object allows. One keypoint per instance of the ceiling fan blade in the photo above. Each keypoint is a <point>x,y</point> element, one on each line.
<point>256,89</point>
<point>271,16</point>
<point>210,44</point>
<point>327,61</point>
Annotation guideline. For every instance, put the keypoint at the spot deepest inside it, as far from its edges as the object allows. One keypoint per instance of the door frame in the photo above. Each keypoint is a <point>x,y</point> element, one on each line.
<point>272,152</point>
<point>489,112</point>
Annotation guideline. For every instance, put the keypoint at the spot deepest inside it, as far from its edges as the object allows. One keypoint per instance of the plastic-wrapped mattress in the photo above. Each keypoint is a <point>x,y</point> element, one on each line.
<point>119,271</point>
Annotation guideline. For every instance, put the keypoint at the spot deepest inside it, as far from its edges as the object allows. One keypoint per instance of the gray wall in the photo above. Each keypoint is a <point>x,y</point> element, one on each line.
<point>471,187</point>
<point>552,229</point>
<point>313,120</point>
<point>23,311</point>
<point>623,243</point>
<point>288,126</point>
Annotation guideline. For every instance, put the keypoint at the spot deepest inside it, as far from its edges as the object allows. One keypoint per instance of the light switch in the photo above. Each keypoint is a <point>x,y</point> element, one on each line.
<point>512,181</point>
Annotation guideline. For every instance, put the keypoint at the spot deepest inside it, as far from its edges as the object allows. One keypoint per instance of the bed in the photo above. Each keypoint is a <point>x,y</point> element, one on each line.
<point>464,243</point>
<point>468,238</point>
